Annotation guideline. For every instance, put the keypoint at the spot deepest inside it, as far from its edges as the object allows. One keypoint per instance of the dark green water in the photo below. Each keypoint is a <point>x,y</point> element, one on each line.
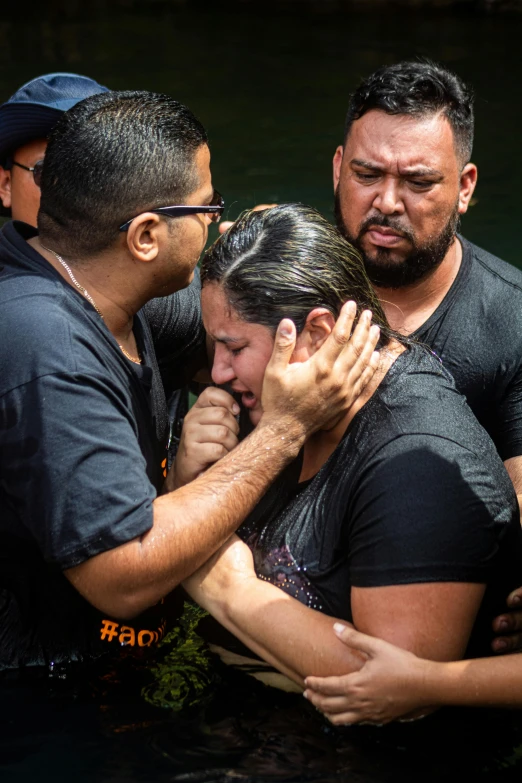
<point>271,86</point>
<point>188,718</point>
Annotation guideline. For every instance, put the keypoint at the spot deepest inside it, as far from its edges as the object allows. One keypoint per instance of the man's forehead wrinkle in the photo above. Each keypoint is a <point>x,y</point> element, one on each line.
<point>380,139</point>
<point>391,162</point>
<point>366,164</point>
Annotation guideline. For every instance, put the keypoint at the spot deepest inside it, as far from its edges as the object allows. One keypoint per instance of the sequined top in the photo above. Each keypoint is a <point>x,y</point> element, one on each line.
<point>414,492</point>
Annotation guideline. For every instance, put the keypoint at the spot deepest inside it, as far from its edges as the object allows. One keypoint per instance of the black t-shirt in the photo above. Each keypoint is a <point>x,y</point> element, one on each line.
<point>180,347</point>
<point>83,436</point>
<point>415,492</point>
<point>477,333</point>
<point>178,335</point>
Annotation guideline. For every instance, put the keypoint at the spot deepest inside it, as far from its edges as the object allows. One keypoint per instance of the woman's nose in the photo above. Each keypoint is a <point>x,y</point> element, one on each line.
<point>222,371</point>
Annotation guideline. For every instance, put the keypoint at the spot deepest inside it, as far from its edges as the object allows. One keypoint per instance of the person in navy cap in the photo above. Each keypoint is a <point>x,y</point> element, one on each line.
<point>26,119</point>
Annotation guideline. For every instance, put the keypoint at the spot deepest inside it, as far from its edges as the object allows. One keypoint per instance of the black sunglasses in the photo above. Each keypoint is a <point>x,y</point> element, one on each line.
<point>36,170</point>
<point>215,208</point>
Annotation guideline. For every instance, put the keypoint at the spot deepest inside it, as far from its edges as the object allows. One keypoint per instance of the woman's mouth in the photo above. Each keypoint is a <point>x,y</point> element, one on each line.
<point>249,400</point>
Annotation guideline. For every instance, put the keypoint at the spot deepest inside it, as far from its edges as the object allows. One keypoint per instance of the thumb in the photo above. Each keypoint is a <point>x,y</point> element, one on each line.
<point>284,345</point>
<point>357,640</point>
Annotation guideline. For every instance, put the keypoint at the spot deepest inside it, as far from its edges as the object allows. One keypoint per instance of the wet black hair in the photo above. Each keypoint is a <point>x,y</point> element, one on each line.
<point>285,261</point>
<point>418,89</point>
<point>110,157</point>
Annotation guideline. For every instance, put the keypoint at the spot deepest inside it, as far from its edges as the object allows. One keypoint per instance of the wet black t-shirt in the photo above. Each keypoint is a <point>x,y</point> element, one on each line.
<point>83,436</point>
<point>415,492</point>
<point>477,333</point>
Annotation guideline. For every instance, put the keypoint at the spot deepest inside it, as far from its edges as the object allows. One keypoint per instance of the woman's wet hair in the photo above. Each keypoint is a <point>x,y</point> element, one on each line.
<point>285,261</point>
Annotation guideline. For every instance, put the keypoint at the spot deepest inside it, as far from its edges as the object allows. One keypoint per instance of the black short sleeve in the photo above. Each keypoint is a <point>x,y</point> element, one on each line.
<point>426,510</point>
<point>508,419</point>
<point>477,333</point>
<point>72,471</point>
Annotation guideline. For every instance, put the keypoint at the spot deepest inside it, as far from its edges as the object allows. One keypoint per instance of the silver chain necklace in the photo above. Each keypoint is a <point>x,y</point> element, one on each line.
<point>89,298</point>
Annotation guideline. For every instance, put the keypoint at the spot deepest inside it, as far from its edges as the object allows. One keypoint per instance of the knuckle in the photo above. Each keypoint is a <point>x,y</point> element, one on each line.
<point>323,371</point>
<point>220,413</point>
<point>207,395</point>
<point>336,385</point>
<point>341,336</point>
<point>218,451</point>
<point>221,432</point>
<point>358,350</point>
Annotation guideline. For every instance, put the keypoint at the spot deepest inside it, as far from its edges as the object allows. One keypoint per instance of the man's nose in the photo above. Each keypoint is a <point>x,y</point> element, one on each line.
<point>388,199</point>
<point>222,371</point>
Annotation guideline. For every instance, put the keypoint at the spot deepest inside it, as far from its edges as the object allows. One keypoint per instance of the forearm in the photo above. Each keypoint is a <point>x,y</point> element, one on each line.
<point>189,525</point>
<point>293,638</point>
<point>483,682</point>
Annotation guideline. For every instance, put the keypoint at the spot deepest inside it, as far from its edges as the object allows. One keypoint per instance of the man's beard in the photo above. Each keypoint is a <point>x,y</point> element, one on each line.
<point>422,259</point>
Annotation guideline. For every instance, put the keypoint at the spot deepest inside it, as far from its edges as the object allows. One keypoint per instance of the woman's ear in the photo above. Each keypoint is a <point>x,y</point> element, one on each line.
<point>318,326</point>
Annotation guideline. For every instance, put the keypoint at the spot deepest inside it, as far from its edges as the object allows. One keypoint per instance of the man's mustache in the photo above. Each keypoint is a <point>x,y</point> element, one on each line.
<point>386,222</point>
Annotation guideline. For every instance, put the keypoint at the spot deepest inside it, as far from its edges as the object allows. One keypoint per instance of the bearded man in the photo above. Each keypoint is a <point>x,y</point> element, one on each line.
<point>402,179</point>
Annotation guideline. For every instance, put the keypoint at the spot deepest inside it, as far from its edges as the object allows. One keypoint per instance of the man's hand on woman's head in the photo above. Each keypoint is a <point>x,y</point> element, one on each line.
<point>310,394</point>
<point>509,623</point>
<point>209,432</point>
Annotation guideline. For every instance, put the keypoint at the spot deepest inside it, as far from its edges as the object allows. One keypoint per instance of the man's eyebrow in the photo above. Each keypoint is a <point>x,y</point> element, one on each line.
<point>365,164</point>
<point>421,171</point>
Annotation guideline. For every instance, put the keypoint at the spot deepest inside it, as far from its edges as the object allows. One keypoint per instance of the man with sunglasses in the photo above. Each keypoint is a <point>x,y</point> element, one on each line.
<point>26,119</point>
<point>90,548</point>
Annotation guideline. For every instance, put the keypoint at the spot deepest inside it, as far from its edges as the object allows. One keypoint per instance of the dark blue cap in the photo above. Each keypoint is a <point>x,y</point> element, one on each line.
<point>33,111</point>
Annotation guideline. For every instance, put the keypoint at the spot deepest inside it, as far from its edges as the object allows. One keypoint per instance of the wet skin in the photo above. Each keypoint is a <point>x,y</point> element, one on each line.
<point>406,169</point>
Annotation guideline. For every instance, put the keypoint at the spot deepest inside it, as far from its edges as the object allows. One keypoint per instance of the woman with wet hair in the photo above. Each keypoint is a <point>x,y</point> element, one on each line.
<point>398,517</point>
